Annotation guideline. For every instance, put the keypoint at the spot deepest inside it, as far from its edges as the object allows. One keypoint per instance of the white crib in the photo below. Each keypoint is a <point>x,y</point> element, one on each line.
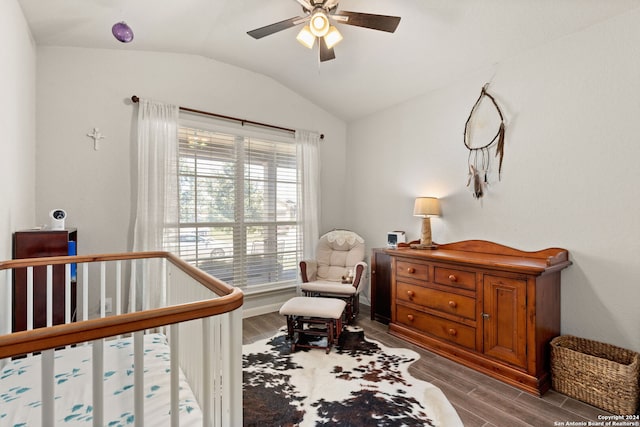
<point>185,337</point>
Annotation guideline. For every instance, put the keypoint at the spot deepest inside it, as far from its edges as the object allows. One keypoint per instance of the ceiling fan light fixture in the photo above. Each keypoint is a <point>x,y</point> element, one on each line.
<point>319,15</point>
<point>319,24</point>
<point>306,37</point>
<point>333,37</point>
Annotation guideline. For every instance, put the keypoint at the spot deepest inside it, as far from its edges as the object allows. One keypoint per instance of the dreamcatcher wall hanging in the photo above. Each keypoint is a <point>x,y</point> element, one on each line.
<point>480,136</point>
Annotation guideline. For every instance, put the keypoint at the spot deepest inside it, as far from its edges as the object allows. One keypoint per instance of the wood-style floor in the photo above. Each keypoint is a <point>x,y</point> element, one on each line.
<point>479,399</point>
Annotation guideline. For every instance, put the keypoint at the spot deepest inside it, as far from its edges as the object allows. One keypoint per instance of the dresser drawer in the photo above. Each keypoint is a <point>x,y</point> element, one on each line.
<point>453,277</point>
<point>412,270</point>
<point>445,329</point>
<point>445,302</point>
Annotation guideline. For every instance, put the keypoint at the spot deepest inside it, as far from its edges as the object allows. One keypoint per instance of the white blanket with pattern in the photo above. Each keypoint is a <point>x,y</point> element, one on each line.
<point>20,387</point>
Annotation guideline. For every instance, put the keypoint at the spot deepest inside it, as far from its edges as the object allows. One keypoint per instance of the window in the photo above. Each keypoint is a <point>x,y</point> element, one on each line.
<point>238,205</point>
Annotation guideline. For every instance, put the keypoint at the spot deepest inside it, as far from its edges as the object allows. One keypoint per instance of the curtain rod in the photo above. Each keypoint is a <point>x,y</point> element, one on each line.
<point>135,99</point>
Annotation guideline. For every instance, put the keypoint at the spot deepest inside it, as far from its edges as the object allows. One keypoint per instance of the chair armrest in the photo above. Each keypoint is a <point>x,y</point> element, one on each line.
<point>358,273</point>
<point>308,269</point>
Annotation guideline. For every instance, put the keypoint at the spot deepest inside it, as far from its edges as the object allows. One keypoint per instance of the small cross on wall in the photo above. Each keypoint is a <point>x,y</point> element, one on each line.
<point>97,136</point>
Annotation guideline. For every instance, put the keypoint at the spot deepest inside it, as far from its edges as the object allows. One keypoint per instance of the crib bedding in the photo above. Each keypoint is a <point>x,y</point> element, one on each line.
<point>20,390</point>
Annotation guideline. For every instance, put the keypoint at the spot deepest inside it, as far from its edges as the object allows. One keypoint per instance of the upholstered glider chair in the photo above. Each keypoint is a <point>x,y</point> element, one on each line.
<point>337,270</point>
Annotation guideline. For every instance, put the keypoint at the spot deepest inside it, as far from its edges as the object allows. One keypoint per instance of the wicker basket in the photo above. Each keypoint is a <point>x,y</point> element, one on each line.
<point>600,374</point>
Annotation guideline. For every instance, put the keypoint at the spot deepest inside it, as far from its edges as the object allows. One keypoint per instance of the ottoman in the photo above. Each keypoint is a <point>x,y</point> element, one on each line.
<point>305,314</point>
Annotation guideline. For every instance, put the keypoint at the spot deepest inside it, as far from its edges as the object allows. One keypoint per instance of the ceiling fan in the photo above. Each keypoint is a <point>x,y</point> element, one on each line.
<point>319,15</point>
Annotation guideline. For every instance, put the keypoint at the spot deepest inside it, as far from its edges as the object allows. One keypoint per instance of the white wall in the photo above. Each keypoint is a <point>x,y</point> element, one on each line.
<point>570,175</point>
<point>79,89</point>
<point>17,124</point>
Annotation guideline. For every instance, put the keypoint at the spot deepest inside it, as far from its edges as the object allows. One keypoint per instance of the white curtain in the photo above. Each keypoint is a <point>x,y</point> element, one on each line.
<point>157,210</point>
<point>309,198</point>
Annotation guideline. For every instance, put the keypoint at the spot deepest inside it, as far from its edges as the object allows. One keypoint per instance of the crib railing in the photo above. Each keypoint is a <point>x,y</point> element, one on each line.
<point>200,315</point>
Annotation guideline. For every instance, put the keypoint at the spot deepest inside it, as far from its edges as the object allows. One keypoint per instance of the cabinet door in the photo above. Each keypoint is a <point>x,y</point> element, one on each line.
<point>37,244</point>
<point>504,319</point>
<point>380,286</point>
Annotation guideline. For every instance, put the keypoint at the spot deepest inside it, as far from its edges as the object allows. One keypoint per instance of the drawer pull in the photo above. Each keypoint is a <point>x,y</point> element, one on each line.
<point>411,294</point>
<point>485,315</point>
<point>452,332</point>
<point>410,317</point>
<point>453,278</point>
<point>453,304</point>
<point>411,270</point>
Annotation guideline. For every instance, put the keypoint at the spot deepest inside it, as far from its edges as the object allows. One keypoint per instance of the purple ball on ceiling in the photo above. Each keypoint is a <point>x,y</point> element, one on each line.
<point>122,32</point>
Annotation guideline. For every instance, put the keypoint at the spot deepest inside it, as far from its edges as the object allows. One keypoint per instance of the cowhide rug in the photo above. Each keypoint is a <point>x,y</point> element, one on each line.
<point>359,383</point>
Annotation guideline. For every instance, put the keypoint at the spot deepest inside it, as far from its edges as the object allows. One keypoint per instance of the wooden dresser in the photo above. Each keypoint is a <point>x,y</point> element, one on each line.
<point>36,244</point>
<point>484,305</point>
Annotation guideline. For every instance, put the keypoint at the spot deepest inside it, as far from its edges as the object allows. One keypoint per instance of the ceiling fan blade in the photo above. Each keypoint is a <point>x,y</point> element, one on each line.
<point>367,20</point>
<point>330,4</point>
<point>261,32</point>
<point>305,4</point>
<point>326,54</point>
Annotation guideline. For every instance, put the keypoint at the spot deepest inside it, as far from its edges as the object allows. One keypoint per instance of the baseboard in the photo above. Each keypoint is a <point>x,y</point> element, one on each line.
<point>258,303</point>
<point>257,311</point>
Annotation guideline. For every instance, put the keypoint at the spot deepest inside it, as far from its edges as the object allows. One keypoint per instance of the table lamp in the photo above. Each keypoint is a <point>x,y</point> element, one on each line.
<point>426,207</point>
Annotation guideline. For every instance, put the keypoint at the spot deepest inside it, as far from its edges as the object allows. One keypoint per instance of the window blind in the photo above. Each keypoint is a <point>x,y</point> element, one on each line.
<point>238,214</point>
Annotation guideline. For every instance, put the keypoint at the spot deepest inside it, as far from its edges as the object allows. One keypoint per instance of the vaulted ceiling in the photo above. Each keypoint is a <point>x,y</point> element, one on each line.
<point>437,41</point>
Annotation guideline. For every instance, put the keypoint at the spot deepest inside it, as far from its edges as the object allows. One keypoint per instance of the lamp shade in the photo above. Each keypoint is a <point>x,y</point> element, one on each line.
<point>319,24</point>
<point>333,37</point>
<point>426,207</point>
<point>305,37</point>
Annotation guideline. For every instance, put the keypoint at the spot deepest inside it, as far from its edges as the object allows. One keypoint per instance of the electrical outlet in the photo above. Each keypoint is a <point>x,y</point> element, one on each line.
<point>108,305</point>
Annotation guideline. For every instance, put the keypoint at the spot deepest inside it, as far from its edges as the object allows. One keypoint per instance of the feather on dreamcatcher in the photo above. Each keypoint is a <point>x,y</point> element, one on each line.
<point>477,127</point>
